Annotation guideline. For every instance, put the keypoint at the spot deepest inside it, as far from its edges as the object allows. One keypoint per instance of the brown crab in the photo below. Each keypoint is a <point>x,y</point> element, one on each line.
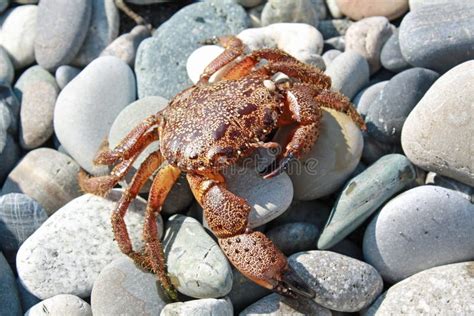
<point>208,127</point>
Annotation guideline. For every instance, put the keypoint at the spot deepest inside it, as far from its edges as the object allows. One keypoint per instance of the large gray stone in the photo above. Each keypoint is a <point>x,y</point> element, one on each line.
<point>359,9</point>
<point>202,307</point>
<point>294,237</point>
<point>62,304</point>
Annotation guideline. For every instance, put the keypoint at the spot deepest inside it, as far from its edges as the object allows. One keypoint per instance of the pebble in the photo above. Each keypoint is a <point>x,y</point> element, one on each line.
<point>424,227</point>
<point>20,216</point>
<point>348,248</point>
<point>47,176</point>
<point>360,9</point>
<point>277,305</point>
<point>37,91</point>
<point>66,254</point>
<point>4,4</point>
<point>161,60</point>
<point>297,11</point>
<point>388,112</point>
<point>373,149</point>
<point>7,72</point>
<point>62,304</point>
<point>341,283</point>
<point>9,300</point>
<point>445,290</point>
<point>27,299</point>
<point>123,288</point>
<point>103,29</point>
<point>334,9</point>
<point>196,265</point>
<point>105,86</point>
<point>125,46</point>
<point>337,42</point>
<point>437,37</point>
<point>9,112</point>
<point>391,56</point>
<point>9,155</point>
<point>420,4</point>
<point>364,99</point>
<point>202,307</point>
<point>466,190</point>
<point>364,194</point>
<point>367,37</point>
<point>244,292</point>
<point>294,237</point>
<point>331,160</point>
<point>145,2</point>
<point>61,30</point>
<point>268,198</point>
<point>255,15</point>
<point>333,28</point>
<point>349,72</point>
<point>200,59</point>
<point>249,3</point>
<point>436,133</point>
<point>311,212</point>
<point>18,32</point>
<point>64,74</point>
<point>330,55</point>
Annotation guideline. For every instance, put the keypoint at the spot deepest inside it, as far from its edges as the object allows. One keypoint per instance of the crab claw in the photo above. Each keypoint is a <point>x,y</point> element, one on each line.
<point>293,286</point>
<point>277,167</point>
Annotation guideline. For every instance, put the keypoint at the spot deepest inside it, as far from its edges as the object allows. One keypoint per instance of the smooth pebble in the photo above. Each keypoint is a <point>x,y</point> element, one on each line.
<point>202,307</point>
<point>294,237</point>
<point>9,299</point>
<point>333,28</point>
<point>7,72</point>
<point>364,99</point>
<point>244,291</point>
<point>296,11</point>
<point>64,74</point>
<point>62,304</point>
<point>360,9</point>
<point>391,56</point>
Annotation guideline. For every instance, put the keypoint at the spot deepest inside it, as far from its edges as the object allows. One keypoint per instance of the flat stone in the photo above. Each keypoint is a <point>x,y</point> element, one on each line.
<point>64,74</point>
<point>407,236</point>
<point>37,91</point>
<point>126,45</point>
<point>435,139</point>
<point>391,56</point>
<point>61,30</point>
<point>66,254</point>
<point>294,237</point>
<point>124,288</point>
<point>437,291</point>
<point>331,160</point>
<point>341,283</point>
<point>367,37</point>
<point>105,86</point>
<point>349,72</point>
<point>360,9</point>
<point>196,265</point>
<point>388,112</point>
<point>202,307</point>
<point>244,292</point>
<point>103,29</point>
<point>161,61</point>
<point>7,72</point>
<point>46,175</point>
<point>9,299</point>
<point>18,32</point>
<point>437,37</point>
<point>364,99</point>
<point>277,305</point>
<point>297,11</point>
<point>364,194</point>
<point>333,28</point>
<point>62,304</point>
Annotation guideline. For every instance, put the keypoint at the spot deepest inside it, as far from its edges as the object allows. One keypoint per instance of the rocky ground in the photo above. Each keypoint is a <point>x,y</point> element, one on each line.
<point>381,224</point>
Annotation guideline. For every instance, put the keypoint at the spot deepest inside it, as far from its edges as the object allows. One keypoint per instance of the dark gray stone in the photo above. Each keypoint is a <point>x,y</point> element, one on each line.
<point>7,72</point>
<point>296,11</point>
<point>9,155</point>
<point>391,57</point>
<point>26,297</point>
<point>9,300</point>
<point>294,237</point>
<point>62,304</point>
<point>387,113</point>
<point>202,307</point>
<point>244,292</point>
<point>64,74</point>
<point>374,150</point>
<point>438,37</point>
<point>311,212</point>
<point>161,61</point>
<point>334,28</point>
<point>9,110</point>
<point>363,100</point>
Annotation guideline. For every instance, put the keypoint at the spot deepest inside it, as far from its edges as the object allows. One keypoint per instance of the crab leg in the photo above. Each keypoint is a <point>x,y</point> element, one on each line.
<point>252,253</point>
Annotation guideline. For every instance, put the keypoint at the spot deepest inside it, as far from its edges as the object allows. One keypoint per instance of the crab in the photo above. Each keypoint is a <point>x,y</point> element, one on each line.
<point>209,127</point>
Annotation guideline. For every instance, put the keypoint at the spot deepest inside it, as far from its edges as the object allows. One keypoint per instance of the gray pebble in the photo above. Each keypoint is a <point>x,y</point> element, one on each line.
<point>255,15</point>
<point>348,248</point>
<point>9,112</point>
<point>333,9</point>
<point>62,304</point>
<point>334,28</point>
<point>349,73</point>
<point>4,4</point>
<point>249,3</point>
<point>364,99</point>
<point>7,72</point>
<point>61,30</point>
<point>64,74</point>
<point>374,150</point>
<point>9,155</point>
<point>244,292</point>
<point>337,42</point>
<point>391,57</point>
<point>47,176</point>
<point>297,11</point>
<point>294,237</point>
<point>330,55</point>
<point>123,288</point>
<point>420,4</point>
<point>202,307</point>
<point>466,190</point>
<point>9,300</point>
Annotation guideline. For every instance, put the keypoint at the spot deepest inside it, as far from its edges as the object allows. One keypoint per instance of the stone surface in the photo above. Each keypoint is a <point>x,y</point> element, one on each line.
<point>331,160</point>
<point>367,37</point>
<point>199,59</point>
<point>374,150</point>
<point>126,45</point>
<point>27,299</point>
<point>196,265</point>
<point>388,112</point>
<point>9,155</point>
<point>17,35</point>
<point>466,190</point>
<point>297,11</point>
<point>424,227</point>
<point>7,72</point>
<point>310,212</point>
<point>341,283</point>
<point>47,176</point>
<point>333,28</point>
<point>333,9</point>
<point>364,194</point>
<point>9,299</point>
<point>66,254</point>
<point>249,3</point>
<point>4,4</point>
<point>442,290</point>
<point>103,29</point>
<point>438,37</point>
<point>330,55</point>
<point>337,42</point>
<point>420,4</point>
<point>276,305</point>
<point>364,99</point>
<point>37,91</point>
<point>294,237</point>
<point>391,56</point>
<point>61,30</point>
<point>63,304</point>
<point>244,292</point>
<point>123,288</point>
<point>161,61</point>
<point>349,72</point>
<point>348,248</point>
<point>436,133</point>
<point>105,86</point>
<point>202,307</point>
<point>359,9</point>
<point>64,74</point>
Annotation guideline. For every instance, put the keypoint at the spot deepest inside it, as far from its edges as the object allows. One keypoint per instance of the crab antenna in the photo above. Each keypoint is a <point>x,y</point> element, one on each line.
<point>133,15</point>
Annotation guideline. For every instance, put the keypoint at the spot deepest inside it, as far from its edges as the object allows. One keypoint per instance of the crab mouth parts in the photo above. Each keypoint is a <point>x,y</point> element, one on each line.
<point>291,285</point>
